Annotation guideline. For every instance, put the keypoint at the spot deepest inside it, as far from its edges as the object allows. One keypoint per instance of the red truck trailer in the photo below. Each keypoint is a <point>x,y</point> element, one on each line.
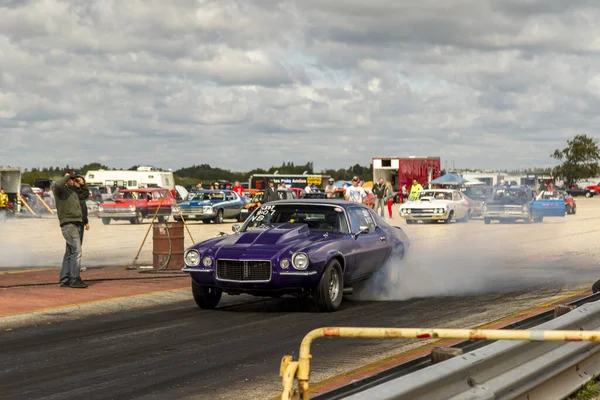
<point>402,170</point>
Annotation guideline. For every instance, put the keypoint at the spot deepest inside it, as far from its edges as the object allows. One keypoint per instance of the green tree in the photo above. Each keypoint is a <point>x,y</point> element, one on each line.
<point>92,167</point>
<point>579,160</point>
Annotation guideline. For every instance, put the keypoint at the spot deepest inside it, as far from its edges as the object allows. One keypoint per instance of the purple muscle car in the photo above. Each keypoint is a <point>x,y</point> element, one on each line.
<point>303,247</point>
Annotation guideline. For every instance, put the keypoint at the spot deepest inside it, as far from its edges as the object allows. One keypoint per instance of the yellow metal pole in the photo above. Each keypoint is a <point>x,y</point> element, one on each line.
<point>25,203</point>
<point>44,203</point>
<point>303,370</point>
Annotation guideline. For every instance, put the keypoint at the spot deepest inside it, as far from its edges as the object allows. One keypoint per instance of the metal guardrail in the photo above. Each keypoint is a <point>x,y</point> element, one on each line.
<point>427,360</point>
<point>549,362</point>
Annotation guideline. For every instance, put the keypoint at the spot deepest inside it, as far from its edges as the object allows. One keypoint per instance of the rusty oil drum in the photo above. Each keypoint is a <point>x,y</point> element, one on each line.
<point>162,234</point>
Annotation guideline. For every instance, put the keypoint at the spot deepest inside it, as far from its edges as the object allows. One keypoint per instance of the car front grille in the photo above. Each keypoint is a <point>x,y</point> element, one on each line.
<point>192,210</point>
<point>117,210</point>
<point>244,271</point>
<point>422,210</point>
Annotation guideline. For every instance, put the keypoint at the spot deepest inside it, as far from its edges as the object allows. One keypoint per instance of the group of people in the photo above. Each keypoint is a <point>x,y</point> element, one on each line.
<point>70,194</point>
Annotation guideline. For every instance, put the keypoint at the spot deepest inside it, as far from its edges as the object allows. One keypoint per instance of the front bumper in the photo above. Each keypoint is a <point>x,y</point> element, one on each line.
<point>506,214</point>
<point>291,280</point>
<point>425,216</point>
<point>104,214</point>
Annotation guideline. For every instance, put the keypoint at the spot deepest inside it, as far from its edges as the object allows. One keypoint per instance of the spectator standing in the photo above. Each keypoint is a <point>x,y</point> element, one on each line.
<point>355,193</point>
<point>330,188</point>
<point>415,189</point>
<point>270,193</point>
<point>238,188</point>
<point>83,192</point>
<point>70,220</point>
<point>404,193</point>
<point>389,196</point>
<point>379,192</point>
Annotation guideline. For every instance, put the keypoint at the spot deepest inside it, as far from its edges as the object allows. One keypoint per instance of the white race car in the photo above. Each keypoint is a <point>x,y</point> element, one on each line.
<point>437,205</point>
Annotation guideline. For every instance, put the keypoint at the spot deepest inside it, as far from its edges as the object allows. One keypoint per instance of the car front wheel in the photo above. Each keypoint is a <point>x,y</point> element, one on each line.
<point>206,297</point>
<point>329,291</point>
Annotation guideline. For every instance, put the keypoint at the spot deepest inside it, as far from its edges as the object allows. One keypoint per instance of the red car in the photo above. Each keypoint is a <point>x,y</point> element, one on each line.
<point>595,187</point>
<point>134,205</point>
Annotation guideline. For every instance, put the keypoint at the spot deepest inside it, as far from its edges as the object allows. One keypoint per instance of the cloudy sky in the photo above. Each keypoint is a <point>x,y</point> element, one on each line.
<point>252,83</point>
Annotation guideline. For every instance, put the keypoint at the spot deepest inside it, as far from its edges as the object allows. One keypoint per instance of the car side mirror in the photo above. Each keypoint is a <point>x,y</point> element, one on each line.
<point>361,230</point>
<point>235,227</point>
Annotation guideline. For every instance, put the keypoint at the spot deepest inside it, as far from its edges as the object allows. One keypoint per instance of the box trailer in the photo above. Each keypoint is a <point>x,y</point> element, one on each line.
<point>402,170</point>
<point>143,177</point>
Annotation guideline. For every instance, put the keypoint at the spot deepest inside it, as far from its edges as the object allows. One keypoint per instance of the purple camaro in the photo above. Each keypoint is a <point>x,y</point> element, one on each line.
<point>299,247</point>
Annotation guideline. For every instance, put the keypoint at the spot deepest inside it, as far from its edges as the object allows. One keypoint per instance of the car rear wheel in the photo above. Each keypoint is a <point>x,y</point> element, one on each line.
<point>106,221</point>
<point>329,291</point>
<point>206,297</point>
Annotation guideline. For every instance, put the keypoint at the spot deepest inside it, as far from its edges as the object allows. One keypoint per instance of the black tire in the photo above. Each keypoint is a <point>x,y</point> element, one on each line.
<point>162,219</point>
<point>330,289</point>
<point>574,210</point>
<point>588,194</point>
<point>106,221</point>
<point>537,220</point>
<point>487,221</point>
<point>219,217</point>
<point>450,216</point>
<point>139,218</point>
<point>206,297</point>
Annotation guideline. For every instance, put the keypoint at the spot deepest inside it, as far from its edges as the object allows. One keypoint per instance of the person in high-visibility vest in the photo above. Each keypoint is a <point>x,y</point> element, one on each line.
<point>415,189</point>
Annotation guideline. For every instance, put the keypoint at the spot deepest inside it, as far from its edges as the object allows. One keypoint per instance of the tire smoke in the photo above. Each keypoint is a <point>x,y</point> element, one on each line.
<point>474,264</point>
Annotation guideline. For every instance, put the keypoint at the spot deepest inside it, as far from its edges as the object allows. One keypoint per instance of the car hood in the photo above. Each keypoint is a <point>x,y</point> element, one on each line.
<point>261,243</point>
<point>426,202</point>
<point>198,203</point>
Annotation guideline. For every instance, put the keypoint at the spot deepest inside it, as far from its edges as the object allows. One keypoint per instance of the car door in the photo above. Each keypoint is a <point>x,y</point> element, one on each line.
<point>370,249</point>
<point>228,205</point>
<point>548,207</point>
<point>462,205</point>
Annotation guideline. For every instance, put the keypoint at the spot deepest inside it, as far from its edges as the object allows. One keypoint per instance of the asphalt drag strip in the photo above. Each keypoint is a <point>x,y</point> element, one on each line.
<point>177,351</point>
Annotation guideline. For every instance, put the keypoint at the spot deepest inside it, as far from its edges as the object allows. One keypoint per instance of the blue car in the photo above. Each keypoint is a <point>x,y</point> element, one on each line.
<point>210,205</point>
<point>301,247</point>
<point>509,204</point>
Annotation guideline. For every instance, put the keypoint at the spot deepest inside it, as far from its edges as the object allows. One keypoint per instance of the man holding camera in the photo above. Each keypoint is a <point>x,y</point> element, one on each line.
<point>70,216</point>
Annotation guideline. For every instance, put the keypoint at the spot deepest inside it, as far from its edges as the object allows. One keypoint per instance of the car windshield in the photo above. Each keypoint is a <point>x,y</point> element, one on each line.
<point>315,195</point>
<point>318,218</point>
<point>205,196</point>
<point>257,197</point>
<point>436,195</point>
<point>127,195</point>
<point>475,191</point>
<point>510,193</point>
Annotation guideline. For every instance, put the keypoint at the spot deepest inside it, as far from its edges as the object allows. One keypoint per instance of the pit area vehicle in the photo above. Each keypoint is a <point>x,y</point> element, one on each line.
<point>299,247</point>
<point>595,188</point>
<point>509,204</point>
<point>575,190</point>
<point>210,206</point>
<point>134,205</point>
<point>142,177</point>
<point>402,170</point>
<point>437,205</point>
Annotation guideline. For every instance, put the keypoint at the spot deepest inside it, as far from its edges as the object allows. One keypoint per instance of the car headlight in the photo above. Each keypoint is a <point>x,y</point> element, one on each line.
<point>192,258</point>
<point>284,264</point>
<point>207,209</point>
<point>207,261</point>
<point>132,208</point>
<point>300,261</point>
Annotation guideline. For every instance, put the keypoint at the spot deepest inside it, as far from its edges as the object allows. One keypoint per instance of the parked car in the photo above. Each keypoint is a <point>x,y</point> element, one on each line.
<point>575,190</point>
<point>476,196</point>
<point>510,204</point>
<point>210,205</point>
<point>298,247</point>
<point>593,189</point>
<point>437,205</point>
<point>134,205</point>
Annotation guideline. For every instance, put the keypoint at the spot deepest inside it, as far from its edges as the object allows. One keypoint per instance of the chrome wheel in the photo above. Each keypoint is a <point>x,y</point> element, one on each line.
<point>334,286</point>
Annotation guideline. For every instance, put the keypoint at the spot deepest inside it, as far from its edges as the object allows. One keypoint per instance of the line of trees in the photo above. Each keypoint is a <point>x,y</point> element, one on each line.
<point>578,161</point>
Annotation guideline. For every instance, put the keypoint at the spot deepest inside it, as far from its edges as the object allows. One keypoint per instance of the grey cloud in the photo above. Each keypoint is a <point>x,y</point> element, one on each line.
<point>337,82</point>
